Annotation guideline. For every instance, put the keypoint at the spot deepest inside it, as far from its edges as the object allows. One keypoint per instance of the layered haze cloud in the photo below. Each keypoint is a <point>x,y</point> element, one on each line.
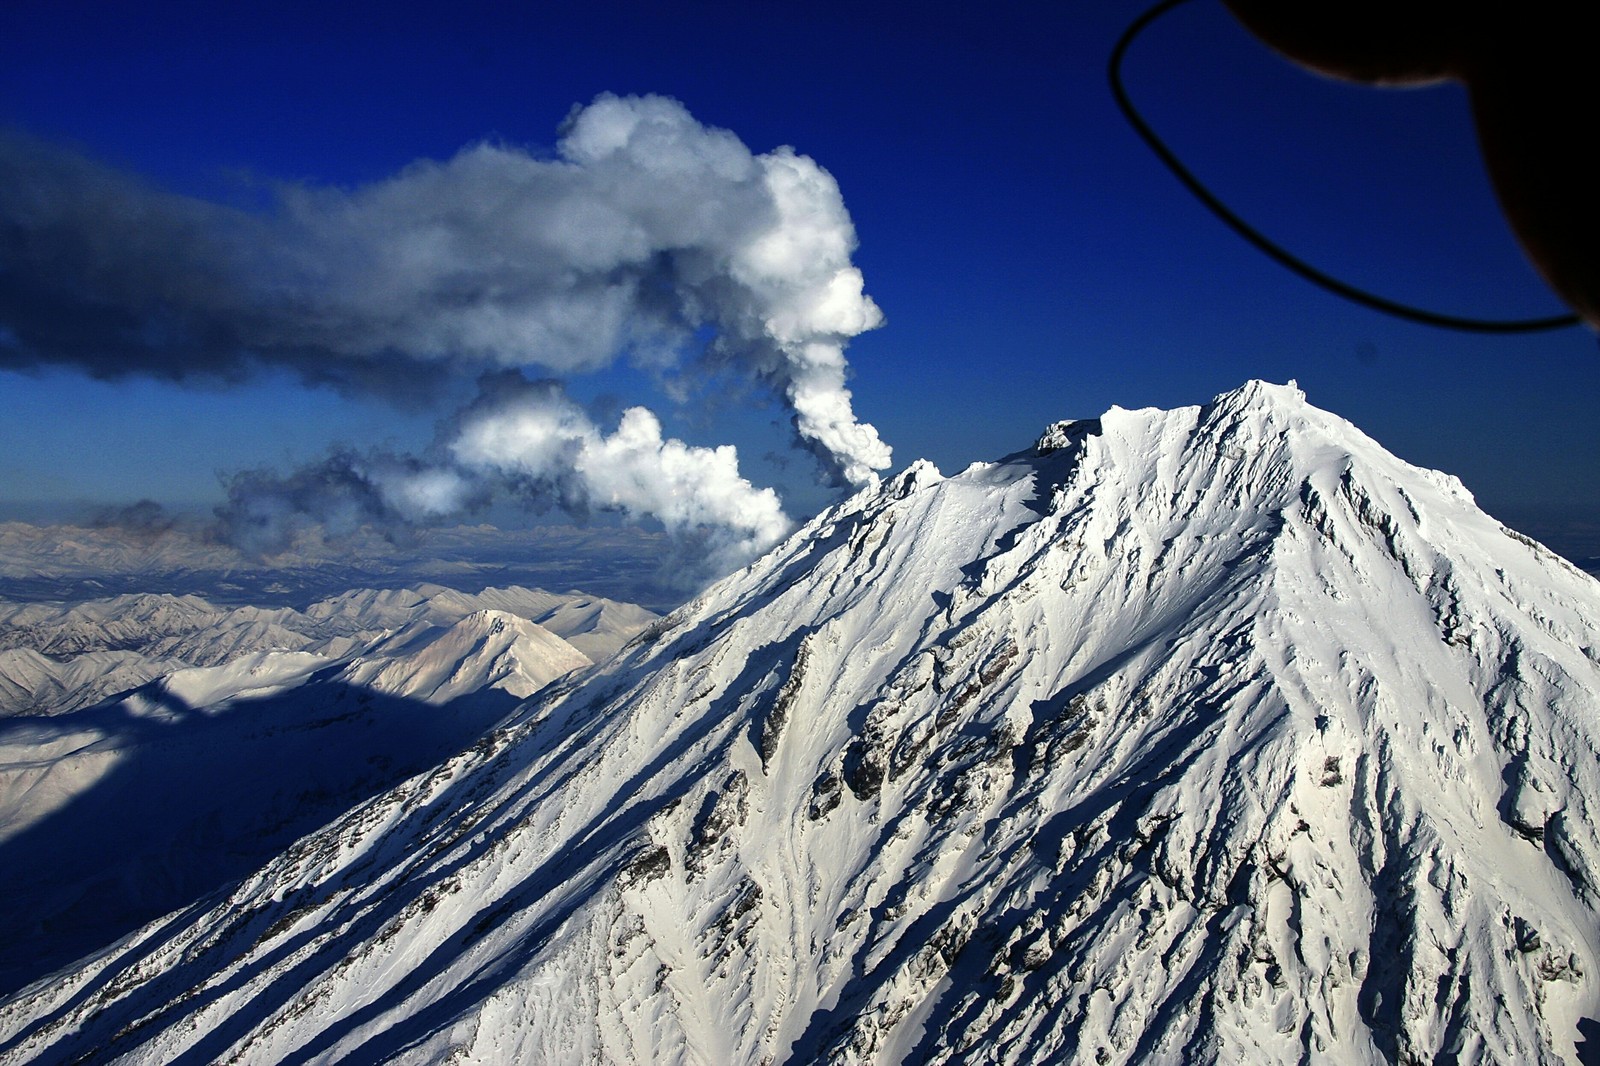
<point>646,236</point>
<point>270,513</point>
<point>527,442</point>
<point>142,520</point>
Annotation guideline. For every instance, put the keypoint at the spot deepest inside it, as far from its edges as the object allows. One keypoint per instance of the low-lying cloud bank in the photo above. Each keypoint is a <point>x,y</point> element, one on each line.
<point>525,441</point>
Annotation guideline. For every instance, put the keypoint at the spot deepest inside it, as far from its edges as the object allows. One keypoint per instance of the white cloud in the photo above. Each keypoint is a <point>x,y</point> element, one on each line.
<point>537,438</point>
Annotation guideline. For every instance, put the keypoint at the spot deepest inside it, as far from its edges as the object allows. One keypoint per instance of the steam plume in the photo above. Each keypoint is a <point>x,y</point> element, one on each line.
<point>644,229</point>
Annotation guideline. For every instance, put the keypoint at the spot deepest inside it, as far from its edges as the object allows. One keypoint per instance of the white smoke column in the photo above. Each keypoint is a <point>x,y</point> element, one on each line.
<point>795,299</point>
<point>647,228</point>
<point>537,436</point>
<point>813,302</point>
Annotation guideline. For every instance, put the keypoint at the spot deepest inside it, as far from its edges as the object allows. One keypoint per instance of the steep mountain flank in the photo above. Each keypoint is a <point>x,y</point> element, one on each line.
<point>1210,735</point>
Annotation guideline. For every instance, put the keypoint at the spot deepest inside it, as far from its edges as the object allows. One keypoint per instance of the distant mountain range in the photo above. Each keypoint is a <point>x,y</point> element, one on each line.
<point>1214,735</point>
<point>72,563</point>
<point>57,657</point>
<point>244,728</point>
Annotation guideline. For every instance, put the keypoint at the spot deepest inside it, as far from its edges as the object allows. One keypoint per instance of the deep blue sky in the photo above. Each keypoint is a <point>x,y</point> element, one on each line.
<point>1033,258</point>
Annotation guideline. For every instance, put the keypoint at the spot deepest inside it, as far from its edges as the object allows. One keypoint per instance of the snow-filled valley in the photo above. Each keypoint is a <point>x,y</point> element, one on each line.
<point>1211,735</point>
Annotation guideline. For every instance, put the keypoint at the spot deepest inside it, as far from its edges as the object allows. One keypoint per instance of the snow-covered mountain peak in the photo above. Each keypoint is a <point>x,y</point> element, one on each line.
<point>1257,394</point>
<point>1207,735</point>
<point>487,650</point>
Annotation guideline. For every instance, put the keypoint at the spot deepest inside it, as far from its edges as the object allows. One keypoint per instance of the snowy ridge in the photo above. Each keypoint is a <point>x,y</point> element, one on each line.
<point>58,657</point>
<point>31,683</point>
<point>485,650</point>
<point>1211,735</point>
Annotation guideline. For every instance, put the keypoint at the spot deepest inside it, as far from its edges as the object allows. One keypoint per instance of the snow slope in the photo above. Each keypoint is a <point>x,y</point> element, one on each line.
<point>1213,735</point>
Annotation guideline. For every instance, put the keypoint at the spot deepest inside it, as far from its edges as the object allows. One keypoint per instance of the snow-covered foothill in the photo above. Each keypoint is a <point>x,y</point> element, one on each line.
<point>485,650</point>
